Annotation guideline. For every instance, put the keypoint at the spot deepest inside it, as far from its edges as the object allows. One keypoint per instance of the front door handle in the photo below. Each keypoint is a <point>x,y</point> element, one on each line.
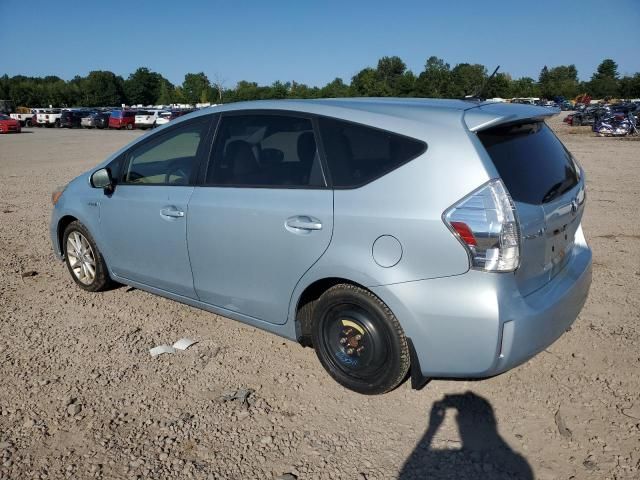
<point>303,222</point>
<point>171,212</point>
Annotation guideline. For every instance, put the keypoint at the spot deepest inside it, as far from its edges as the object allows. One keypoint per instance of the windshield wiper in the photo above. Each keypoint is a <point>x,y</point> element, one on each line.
<point>553,191</point>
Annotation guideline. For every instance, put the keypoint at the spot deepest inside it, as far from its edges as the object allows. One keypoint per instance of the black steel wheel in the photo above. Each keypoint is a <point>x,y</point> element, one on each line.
<point>359,341</point>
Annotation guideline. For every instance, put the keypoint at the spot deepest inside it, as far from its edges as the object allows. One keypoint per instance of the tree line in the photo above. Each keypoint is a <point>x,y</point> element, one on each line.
<point>390,77</point>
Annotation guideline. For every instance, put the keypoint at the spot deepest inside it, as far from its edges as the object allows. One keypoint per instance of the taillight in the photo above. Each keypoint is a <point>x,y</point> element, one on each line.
<point>486,223</point>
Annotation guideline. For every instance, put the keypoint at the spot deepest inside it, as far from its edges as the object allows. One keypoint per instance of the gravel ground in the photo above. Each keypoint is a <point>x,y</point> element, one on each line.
<point>80,396</point>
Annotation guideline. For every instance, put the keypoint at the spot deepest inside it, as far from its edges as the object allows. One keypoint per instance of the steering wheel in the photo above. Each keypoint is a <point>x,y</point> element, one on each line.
<point>178,171</point>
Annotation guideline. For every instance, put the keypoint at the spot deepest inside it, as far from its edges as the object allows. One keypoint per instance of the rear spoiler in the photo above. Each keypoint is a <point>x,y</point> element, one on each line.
<point>490,115</point>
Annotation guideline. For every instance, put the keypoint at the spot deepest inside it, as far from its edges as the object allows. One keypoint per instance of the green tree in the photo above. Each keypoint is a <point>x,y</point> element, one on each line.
<point>604,82</point>
<point>365,84</point>
<point>335,89</point>
<point>524,87</point>
<point>500,86</point>
<point>392,77</point>
<point>300,90</point>
<point>196,87</point>
<point>435,80</point>
<point>167,93</point>
<point>559,81</point>
<point>142,87</point>
<point>467,79</point>
<point>102,88</point>
<point>630,86</point>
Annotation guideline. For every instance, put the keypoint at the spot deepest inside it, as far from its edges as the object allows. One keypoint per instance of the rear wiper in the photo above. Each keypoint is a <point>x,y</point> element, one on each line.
<point>553,191</point>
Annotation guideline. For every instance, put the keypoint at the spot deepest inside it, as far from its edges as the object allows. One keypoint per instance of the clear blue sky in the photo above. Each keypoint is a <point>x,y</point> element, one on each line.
<point>311,42</point>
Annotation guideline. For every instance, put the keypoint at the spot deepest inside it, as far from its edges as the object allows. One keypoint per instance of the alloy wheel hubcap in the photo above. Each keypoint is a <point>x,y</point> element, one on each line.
<point>81,258</point>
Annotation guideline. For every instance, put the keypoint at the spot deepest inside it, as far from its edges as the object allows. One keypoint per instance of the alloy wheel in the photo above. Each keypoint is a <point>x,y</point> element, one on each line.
<point>81,258</point>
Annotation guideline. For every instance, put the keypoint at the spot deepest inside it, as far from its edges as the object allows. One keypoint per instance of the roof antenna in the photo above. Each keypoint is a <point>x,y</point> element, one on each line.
<point>479,95</point>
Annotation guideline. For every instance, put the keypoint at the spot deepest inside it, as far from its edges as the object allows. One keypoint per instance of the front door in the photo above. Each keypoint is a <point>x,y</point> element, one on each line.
<point>263,216</point>
<point>144,220</point>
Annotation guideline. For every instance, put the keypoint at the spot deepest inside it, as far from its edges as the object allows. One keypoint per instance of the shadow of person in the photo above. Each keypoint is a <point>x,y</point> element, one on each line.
<point>483,454</point>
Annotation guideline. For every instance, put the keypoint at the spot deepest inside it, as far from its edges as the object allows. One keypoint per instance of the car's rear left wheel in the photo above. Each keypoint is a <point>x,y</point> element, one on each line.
<point>84,261</point>
<point>359,341</point>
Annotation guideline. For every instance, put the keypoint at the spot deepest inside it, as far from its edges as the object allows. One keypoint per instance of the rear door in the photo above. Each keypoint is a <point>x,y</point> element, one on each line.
<point>263,216</point>
<point>547,187</point>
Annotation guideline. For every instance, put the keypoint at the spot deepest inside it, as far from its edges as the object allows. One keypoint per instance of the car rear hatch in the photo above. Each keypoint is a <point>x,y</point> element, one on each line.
<point>544,181</point>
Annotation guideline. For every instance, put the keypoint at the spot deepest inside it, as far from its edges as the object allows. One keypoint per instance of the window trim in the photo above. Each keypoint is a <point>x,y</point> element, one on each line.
<point>205,120</point>
<point>209,160</point>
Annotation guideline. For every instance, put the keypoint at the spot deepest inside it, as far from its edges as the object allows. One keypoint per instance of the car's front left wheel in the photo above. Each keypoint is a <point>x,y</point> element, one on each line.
<point>359,341</point>
<point>84,261</point>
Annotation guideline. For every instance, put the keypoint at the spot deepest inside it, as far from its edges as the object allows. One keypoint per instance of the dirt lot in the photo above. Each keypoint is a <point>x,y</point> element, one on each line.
<point>80,396</point>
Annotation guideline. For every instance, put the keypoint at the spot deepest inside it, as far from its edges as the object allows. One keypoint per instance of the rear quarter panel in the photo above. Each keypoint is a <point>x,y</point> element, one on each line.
<point>408,204</point>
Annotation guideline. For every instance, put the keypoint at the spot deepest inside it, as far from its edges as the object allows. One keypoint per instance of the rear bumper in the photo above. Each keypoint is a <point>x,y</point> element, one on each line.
<point>478,325</point>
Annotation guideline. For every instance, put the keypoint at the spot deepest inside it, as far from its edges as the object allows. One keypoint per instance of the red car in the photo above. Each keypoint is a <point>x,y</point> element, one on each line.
<point>122,119</point>
<point>8,124</point>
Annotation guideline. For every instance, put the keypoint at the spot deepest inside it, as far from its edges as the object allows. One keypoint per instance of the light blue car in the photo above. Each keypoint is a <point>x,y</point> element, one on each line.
<point>398,237</point>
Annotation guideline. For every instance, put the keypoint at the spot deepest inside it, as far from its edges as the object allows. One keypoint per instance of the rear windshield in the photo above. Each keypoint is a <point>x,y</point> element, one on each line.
<point>143,112</point>
<point>533,164</point>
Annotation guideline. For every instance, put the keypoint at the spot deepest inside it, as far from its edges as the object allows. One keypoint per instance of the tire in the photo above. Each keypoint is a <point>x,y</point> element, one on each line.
<point>129,126</point>
<point>27,123</point>
<point>79,245</point>
<point>359,341</point>
<point>57,124</point>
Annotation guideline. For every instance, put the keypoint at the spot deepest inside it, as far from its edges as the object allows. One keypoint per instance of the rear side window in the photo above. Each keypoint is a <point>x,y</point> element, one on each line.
<point>357,154</point>
<point>265,151</point>
<point>532,162</point>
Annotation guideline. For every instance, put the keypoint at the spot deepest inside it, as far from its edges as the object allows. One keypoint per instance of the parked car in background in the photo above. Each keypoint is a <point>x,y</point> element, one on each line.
<point>122,119</point>
<point>565,106</point>
<point>9,125</point>
<point>49,117</point>
<point>73,118</point>
<point>25,117</point>
<point>398,237</point>
<point>146,118</point>
<point>166,117</point>
<point>96,120</point>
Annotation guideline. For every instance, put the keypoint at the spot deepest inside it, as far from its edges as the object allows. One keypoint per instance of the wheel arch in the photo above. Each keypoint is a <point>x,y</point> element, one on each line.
<point>63,223</point>
<point>306,301</point>
<point>304,306</point>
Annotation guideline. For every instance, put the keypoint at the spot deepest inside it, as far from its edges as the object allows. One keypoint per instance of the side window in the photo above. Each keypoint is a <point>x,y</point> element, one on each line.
<point>168,159</point>
<point>265,150</point>
<point>357,154</point>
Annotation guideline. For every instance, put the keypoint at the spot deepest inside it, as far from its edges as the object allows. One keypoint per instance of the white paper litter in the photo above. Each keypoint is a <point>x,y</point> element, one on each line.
<point>160,349</point>
<point>183,343</point>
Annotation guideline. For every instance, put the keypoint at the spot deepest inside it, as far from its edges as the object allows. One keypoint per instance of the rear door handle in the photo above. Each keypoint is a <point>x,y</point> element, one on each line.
<point>303,222</point>
<point>171,212</point>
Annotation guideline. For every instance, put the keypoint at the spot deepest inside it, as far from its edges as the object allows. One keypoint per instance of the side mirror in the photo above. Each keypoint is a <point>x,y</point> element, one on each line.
<point>102,179</point>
